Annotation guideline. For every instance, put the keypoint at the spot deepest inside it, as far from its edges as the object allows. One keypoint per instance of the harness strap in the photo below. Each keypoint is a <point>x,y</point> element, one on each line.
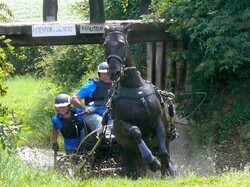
<point>129,68</point>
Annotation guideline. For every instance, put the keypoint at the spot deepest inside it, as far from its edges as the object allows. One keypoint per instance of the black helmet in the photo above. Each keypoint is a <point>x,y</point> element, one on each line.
<point>103,67</point>
<point>62,100</point>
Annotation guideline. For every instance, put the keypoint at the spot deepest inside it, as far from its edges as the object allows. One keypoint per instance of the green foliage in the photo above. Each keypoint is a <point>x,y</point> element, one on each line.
<point>65,65</point>
<point>5,13</point>
<point>32,100</point>
<point>10,128</point>
<point>114,10</point>
<point>80,8</point>
<point>6,68</point>
<point>225,119</point>
<point>9,124</point>
<point>24,59</point>
<point>122,9</point>
<point>217,34</point>
<point>139,57</point>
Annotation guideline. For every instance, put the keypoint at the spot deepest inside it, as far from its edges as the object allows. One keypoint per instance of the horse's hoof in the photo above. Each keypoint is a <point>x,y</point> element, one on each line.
<point>172,171</point>
<point>155,165</point>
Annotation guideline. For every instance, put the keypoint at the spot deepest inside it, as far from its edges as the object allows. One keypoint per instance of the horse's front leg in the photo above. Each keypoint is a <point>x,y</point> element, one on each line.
<point>134,132</point>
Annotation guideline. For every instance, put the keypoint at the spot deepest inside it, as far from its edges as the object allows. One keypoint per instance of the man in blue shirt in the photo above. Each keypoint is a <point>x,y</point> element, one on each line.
<point>68,124</point>
<point>95,94</point>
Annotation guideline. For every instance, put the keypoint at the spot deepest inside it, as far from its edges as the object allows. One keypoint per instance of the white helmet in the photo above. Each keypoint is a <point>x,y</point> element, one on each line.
<point>103,67</point>
<point>62,100</point>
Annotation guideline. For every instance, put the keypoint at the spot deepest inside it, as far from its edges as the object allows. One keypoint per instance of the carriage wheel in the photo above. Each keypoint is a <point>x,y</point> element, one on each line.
<point>66,164</point>
<point>104,160</point>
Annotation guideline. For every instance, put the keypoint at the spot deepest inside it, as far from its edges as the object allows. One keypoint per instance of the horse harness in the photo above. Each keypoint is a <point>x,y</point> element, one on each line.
<point>121,60</point>
<point>116,93</point>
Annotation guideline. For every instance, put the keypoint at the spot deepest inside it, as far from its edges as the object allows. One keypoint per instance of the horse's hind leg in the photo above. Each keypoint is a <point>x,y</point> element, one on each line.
<point>163,150</point>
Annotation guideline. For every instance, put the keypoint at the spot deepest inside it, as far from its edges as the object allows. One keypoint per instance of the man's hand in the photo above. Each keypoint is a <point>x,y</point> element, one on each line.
<point>90,110</point>
<point>55,146</point>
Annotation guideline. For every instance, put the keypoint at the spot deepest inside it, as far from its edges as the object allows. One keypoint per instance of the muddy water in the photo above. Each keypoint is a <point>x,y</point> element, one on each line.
<point>187,158</point>
<point>42,158</point>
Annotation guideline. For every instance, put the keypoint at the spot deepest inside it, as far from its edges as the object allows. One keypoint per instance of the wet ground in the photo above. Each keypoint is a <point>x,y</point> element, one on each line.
<point>41,158</point>
<point>186,158</point>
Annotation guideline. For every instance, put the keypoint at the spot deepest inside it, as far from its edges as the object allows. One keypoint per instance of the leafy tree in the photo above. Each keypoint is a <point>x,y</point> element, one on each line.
<point>217,35</point>
<point>5,13</point>
<point>65,65</point>
<point>25,58</point>
<point>9,124</point>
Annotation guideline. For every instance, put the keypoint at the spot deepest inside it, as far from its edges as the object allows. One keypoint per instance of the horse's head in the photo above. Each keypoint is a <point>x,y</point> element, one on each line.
<point>116,47</point>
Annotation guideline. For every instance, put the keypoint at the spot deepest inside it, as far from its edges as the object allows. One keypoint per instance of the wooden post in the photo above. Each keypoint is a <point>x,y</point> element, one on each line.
<point>50,9</point>
<point>150,61</point>
<point>179,68</point>
<point>158,64</point>
<point>188,86</point>
<point>144,6</point>
<point>96,8</point>
<point>169,66</point>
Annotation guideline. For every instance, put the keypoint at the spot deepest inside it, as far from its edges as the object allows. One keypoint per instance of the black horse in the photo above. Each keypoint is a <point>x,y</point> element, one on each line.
<point>136,106</point>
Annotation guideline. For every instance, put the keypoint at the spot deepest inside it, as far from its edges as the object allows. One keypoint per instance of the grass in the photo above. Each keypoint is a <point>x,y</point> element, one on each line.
<point>13,173</point>
<point>32,10</point>
<point>32,100</point>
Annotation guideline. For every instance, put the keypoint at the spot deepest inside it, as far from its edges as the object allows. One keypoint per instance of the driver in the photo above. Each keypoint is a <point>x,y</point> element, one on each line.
<point>95,94</point>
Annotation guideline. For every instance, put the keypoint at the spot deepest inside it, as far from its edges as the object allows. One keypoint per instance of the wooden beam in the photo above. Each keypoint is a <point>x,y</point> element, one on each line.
<point>21,34</point>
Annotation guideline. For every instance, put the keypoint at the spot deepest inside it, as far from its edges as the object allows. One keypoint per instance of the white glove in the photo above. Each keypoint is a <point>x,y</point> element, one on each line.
<point>90,110</point>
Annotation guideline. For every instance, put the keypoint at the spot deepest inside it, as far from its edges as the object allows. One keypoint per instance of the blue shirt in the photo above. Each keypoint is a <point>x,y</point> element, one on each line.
<point>69,143</point>
<point>87,90</point>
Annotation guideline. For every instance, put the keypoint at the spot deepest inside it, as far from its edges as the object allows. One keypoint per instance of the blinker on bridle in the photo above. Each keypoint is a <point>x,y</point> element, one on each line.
<point>124,68</point>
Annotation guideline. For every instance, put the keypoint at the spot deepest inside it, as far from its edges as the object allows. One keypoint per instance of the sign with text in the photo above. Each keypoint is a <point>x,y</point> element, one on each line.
<point>53,30</point>
<point>91,28</point>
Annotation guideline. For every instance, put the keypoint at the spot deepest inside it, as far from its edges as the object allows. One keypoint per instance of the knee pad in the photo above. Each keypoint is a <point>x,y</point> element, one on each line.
<point>135,133</point>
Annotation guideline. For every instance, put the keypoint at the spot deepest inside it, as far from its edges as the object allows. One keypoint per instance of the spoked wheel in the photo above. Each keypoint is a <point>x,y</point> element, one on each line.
<point>67,164</point>
<point>103,160</point>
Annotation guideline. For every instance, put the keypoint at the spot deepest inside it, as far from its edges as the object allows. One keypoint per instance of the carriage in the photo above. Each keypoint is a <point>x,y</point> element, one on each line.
<point>142,127</point>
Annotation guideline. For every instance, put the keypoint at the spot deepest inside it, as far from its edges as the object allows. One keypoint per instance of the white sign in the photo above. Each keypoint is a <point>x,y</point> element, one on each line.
<point>53,30</point>
<point>91,28</point>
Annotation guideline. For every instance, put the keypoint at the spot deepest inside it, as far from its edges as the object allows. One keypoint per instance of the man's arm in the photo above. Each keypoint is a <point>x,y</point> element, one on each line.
<point>77,102</point>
